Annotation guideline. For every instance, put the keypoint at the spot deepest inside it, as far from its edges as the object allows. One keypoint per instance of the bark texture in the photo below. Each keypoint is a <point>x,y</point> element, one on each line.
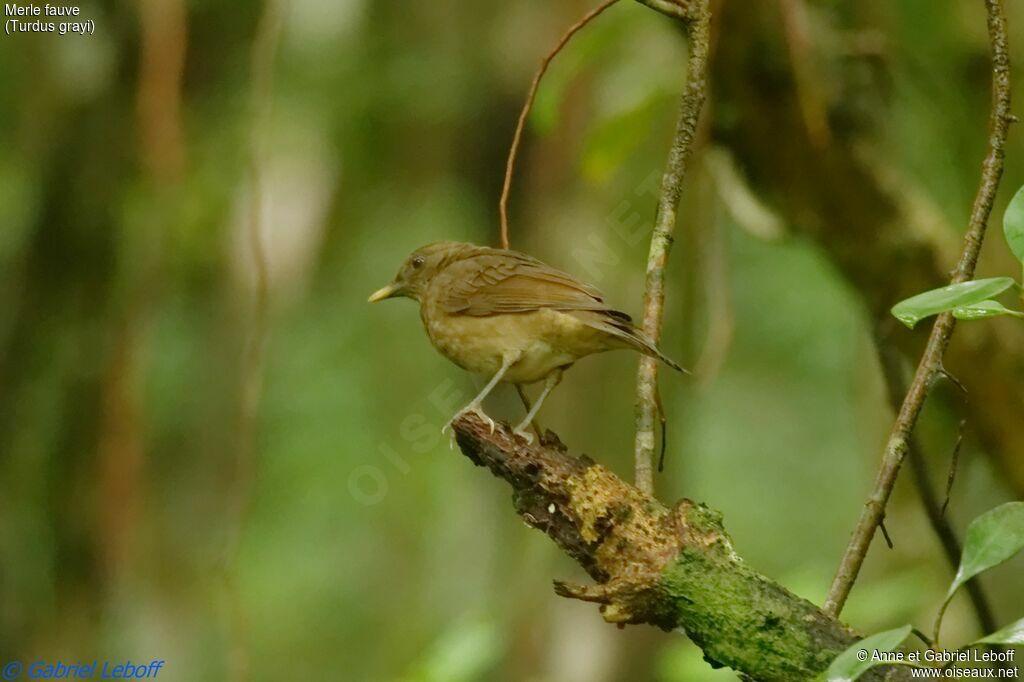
<point>674,568</point>
<point>698,31</point>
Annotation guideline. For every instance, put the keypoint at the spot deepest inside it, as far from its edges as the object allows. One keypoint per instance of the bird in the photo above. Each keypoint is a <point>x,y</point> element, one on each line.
<point>511,318</point>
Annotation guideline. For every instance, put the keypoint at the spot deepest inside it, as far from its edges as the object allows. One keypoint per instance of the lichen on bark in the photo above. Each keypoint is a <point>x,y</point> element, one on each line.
<point>674,568</point>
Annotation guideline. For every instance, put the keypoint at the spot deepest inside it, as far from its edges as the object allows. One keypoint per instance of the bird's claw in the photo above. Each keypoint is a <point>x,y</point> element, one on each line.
<point>474,409</point>
<point>524,434</point>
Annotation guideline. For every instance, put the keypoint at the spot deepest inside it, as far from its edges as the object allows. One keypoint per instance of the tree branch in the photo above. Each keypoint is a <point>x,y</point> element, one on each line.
<point>672,568</point>
<point>698,16</point>
<point>877,225</point>
<point>889,358</point>
<point>931,361</point>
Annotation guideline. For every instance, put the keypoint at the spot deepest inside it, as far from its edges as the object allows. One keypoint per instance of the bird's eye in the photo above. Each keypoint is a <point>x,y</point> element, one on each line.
<point>418,261</point>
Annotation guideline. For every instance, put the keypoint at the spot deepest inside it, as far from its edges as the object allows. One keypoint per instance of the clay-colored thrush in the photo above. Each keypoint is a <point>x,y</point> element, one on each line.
<point>510,317</point>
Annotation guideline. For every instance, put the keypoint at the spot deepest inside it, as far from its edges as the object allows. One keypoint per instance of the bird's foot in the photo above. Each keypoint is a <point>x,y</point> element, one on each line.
<point>474,409</point>
<point>522,432</point>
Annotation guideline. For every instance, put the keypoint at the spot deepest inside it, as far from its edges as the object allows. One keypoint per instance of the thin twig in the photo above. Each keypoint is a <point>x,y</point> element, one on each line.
<point>889,359</point>
<point>954,463</point>
<point>942,331</point>
<point>698,29</point>
<point>517,138</point>
<point>885,534</point>
<point>677,9</point>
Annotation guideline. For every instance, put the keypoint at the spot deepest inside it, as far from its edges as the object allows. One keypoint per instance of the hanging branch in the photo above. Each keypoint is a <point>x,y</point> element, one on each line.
<point>931,361</point>
<point>698,19</point>
<point>517,138</point>
<point>889,359</point>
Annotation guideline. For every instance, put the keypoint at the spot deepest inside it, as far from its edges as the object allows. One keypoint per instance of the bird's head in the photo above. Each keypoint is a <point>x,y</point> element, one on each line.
<point>419,269</point>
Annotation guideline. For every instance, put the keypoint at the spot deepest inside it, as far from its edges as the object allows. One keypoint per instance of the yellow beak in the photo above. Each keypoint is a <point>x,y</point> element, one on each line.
<point>382,293</point>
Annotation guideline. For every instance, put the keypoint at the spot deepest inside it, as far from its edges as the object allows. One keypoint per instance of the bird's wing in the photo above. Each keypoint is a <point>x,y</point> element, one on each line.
<point>496,281</point>
<point>492,281</point>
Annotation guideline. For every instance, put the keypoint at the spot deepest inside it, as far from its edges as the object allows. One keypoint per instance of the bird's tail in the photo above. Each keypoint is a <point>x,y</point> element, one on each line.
<point>621,327</point>
<point>643,344</point>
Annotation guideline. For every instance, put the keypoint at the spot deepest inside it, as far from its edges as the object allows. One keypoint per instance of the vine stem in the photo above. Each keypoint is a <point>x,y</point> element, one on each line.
<point>930,364</point>
<point>517,138</point>
<point>698,24</point>
<point>890,361</point>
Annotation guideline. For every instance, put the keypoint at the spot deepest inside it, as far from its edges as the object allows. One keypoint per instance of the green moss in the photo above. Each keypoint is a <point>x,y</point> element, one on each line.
<point>744,621</point>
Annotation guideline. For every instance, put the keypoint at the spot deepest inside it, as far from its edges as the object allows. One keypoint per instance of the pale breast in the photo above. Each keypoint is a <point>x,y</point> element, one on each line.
<point>544,340</point>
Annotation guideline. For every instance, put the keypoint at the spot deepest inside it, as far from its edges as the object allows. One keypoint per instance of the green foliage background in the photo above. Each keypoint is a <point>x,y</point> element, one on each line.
<point>365,549</point>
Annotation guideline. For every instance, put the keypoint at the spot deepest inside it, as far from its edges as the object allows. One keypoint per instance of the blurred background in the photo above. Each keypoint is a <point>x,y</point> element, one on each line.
<point>221,456</point>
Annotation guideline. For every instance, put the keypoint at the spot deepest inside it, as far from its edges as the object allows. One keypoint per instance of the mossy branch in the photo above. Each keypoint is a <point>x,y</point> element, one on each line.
<point>669,567</point>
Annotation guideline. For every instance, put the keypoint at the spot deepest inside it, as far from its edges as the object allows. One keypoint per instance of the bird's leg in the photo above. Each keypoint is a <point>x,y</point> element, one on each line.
<point>507,361</point>
<point>526,403</point>
<point>549,383</point>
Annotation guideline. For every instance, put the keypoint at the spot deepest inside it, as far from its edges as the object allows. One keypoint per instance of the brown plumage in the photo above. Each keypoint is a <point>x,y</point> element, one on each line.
<point>510,317</point>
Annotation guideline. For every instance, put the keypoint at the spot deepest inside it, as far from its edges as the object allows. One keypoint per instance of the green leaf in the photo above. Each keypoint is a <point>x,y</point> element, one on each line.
<point>914,309</point>
<point>991,539</point>
<point>1011,634</point>
<point>849,666</point>
<point>983,309</point>
<point>1013,224</point>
